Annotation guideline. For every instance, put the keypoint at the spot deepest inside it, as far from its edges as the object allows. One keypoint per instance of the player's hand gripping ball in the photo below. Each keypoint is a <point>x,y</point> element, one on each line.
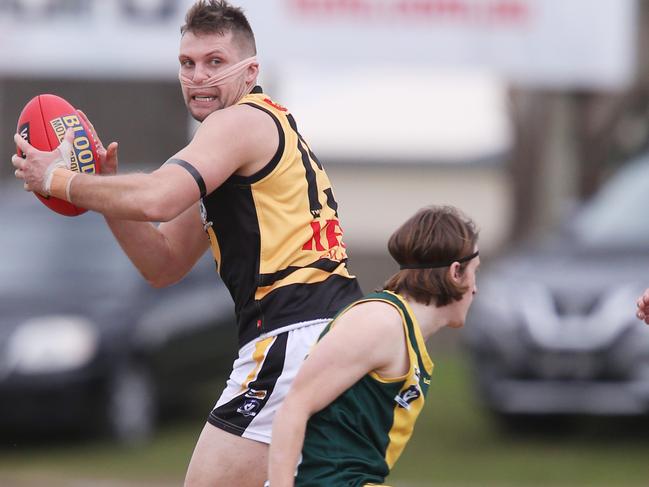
<point>43,123</point>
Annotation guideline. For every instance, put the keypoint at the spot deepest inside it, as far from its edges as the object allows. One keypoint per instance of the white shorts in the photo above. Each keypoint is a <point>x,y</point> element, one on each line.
<point>260,379</point>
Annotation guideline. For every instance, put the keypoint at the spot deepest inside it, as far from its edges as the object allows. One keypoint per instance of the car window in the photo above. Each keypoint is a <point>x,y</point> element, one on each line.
<point>616,215</point>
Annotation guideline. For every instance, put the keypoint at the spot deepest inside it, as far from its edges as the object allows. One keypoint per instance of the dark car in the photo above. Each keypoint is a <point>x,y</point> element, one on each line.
<point>85,342</point>
<point>552,331</point>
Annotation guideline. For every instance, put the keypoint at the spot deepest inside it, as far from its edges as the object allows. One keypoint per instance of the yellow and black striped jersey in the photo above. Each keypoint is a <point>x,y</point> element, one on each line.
<point>276,236</point>
<point>357,439</point>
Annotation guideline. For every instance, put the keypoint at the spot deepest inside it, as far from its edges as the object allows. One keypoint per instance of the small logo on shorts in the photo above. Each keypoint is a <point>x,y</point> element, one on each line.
<point>255,394</point>
<point>406,397</point>
<point>250,407</point>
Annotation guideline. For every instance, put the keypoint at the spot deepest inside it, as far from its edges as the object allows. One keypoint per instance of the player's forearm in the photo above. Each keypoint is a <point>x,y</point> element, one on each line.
<point>135,197</point>
<point>146,247</point>
<point>162,253</point>
<point>289,427</point>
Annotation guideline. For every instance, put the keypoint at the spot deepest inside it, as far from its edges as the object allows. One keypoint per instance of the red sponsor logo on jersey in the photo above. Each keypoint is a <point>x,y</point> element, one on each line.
<point>331,242</point>
<point>276,105</point>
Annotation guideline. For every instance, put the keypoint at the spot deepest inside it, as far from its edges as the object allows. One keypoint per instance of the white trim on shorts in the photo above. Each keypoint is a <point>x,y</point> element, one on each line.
<point>294,326</point>
<point>261,377</point>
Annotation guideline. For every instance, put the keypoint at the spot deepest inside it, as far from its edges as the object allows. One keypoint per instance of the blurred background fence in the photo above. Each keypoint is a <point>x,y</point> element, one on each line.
<point>514,110</point>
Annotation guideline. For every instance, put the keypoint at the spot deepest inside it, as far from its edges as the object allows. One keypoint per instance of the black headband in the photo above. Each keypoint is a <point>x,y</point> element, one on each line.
<point>439,264</point>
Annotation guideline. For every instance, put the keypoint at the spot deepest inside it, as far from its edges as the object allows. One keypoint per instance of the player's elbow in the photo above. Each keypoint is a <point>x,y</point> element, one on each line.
<point>159,280</point>
<point>157,212</point>
<point>156,206</point>
<point>163,274</point>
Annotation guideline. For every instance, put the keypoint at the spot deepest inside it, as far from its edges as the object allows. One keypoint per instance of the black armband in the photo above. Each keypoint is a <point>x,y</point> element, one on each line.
<point>193,171</point>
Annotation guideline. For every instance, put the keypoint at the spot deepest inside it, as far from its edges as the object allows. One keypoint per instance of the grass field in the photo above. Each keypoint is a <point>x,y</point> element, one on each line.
<point>455,445</point>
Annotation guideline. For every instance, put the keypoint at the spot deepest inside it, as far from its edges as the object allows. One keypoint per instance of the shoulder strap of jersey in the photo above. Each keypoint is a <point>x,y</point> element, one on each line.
<point>397,301</point>
<point>256,100</point>
<point>394,300</point>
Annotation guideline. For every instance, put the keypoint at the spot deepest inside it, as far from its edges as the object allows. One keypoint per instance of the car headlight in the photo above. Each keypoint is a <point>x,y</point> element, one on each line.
<point>51,344</point>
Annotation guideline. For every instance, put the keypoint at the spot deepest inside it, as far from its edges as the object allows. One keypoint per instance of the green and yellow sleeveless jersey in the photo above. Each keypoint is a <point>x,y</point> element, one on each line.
<point>276,236</point>
<point>357,439</point>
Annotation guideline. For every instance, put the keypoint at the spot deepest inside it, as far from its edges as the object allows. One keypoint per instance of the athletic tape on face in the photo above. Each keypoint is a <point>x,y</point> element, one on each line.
<point>220,78</point>
<point>64,161</point>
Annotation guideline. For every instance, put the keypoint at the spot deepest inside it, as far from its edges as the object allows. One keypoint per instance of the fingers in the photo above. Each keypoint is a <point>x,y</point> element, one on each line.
<point>69,136</point>
<point>65,148</point>
<point>107,156</point>
<point>643,307</point>
<point>33,168</point>
<point>17,161</point>
<point>109,162</point>
<point>19,164</point>
<point>111,151</point>
<point>22,144</point>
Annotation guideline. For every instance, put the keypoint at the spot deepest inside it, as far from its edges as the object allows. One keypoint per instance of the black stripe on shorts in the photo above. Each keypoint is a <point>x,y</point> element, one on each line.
<point>236,415</point>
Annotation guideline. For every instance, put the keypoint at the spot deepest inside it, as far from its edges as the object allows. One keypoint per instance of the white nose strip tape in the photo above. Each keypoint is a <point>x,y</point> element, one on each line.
<point>64,161</point>
<point>219,78</point>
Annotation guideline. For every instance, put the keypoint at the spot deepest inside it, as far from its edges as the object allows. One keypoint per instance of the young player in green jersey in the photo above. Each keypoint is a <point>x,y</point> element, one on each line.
<point>353,405</point>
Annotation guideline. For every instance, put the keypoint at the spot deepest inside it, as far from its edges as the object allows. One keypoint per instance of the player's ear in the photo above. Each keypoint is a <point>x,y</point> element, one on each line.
<point>455,272</point>
<point>252,72</point>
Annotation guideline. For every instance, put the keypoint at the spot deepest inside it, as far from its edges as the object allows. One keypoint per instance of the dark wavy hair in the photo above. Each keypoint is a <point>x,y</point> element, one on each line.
<point>436,234</point>
<point>219,17</point>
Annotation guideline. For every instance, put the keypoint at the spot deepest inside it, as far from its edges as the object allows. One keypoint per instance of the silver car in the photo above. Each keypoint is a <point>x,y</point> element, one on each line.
<point>552,331</point>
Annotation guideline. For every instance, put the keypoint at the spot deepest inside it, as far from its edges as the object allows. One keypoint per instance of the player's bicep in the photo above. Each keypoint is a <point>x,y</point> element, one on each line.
<point>208,167</point>
<point>222,145</point>
<point>237,140</point>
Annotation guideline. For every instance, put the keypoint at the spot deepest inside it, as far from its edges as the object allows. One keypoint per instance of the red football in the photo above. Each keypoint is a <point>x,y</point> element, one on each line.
<point>43,123</point>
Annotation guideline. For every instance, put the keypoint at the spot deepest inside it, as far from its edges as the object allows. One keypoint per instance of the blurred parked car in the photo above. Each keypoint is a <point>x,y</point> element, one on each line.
<point>85,342</point>
<point>552,331</point>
